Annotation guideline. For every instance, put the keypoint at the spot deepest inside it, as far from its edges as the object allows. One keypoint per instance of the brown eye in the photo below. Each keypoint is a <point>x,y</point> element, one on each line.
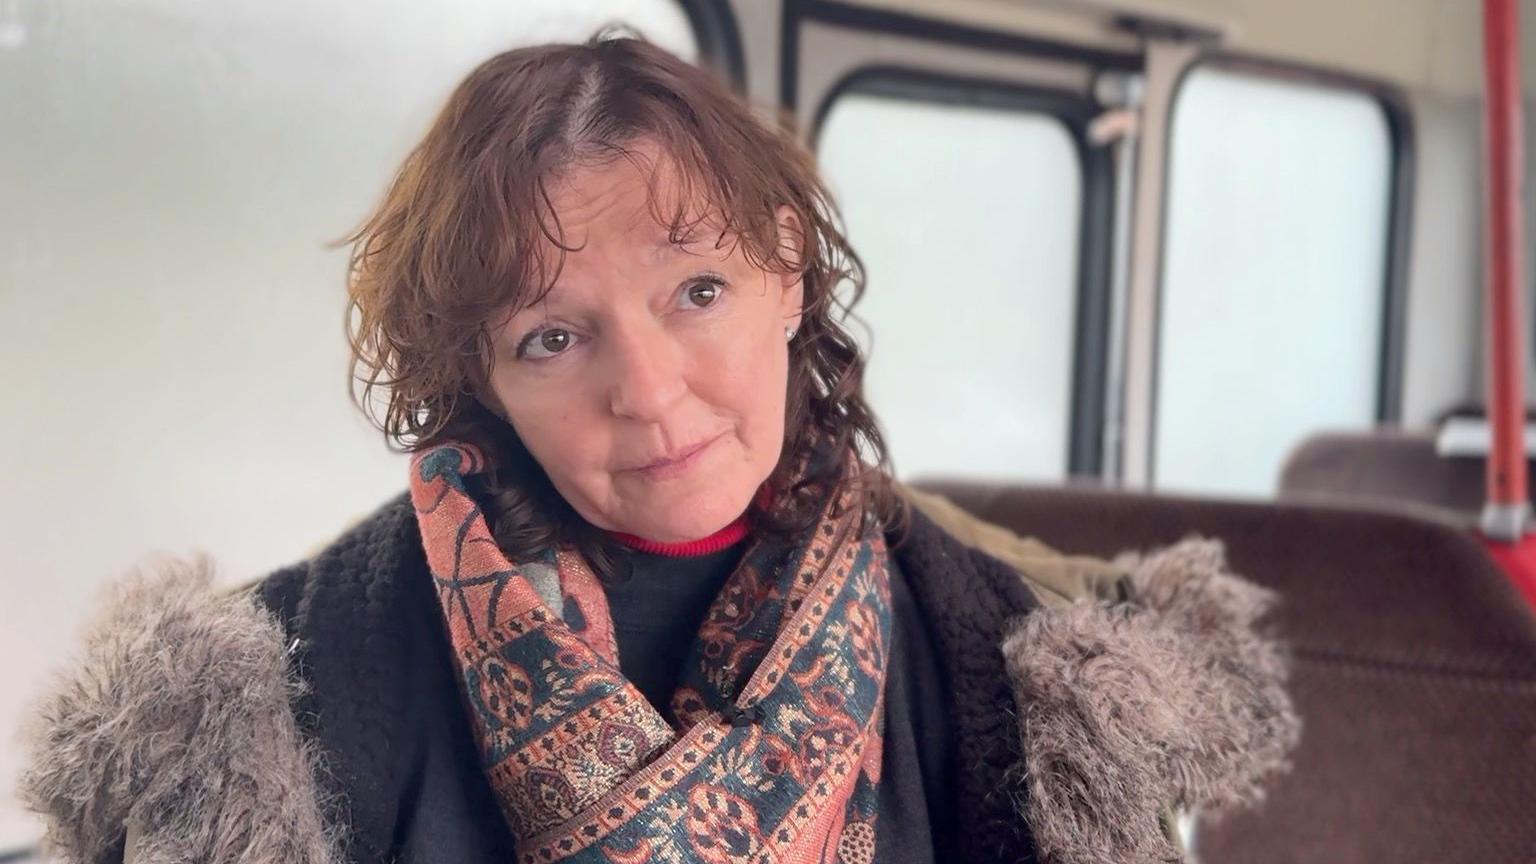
<point>702,294</point>
<point>547,343</point>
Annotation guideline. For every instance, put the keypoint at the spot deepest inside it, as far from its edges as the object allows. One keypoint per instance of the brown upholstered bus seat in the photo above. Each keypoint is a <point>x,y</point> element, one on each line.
<point>1383,465</point>
<point>1415,670</point>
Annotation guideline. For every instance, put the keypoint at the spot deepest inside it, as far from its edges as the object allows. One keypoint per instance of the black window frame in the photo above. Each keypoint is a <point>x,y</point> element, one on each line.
<point>718,36</point>
<point>1398,115</point>
<point>868,19</point>
<point>1075,111</point>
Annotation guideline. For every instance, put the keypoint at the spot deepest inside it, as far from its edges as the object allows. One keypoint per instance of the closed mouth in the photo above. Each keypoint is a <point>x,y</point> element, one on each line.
<point>682,456</point>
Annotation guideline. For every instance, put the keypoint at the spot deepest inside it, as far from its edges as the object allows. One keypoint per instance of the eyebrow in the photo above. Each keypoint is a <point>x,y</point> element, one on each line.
<point>665,244</point>
<point>704,243</point>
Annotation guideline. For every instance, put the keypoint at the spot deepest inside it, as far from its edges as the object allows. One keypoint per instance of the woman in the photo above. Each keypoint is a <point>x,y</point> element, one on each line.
<point>651,593</point>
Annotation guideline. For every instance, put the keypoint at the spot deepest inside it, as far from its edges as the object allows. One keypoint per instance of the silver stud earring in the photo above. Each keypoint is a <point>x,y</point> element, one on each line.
<point>789,333</point>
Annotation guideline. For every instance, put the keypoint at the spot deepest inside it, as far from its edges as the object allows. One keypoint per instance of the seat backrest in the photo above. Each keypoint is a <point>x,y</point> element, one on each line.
<point>1415,669</point>
<point>1390,465</point>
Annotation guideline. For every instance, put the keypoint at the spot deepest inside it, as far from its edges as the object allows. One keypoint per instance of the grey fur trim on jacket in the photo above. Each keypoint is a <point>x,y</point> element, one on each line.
<point>1126,708</point>
<point>178,721</point>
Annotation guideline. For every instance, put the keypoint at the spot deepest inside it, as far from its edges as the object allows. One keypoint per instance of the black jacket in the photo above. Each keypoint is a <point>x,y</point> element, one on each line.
<point>322,722</point>
<point>385,707</point>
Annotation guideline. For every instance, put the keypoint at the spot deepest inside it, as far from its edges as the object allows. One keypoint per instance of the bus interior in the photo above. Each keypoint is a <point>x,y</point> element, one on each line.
<point>1138,269</point>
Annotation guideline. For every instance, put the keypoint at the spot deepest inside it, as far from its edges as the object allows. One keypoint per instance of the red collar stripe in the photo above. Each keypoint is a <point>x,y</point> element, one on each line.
<point>726,537</point>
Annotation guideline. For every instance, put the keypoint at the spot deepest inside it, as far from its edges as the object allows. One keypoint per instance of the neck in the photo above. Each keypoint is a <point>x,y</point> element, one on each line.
<point>728,536</point>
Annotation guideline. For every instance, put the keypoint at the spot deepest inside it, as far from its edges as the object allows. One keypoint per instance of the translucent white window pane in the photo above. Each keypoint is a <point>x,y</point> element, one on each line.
<point>1272,292</point>
<point>170,318</point>
<point>967,219</point>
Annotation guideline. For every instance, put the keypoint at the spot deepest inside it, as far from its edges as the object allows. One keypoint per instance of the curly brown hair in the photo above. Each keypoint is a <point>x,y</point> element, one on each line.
<point>462,232</point>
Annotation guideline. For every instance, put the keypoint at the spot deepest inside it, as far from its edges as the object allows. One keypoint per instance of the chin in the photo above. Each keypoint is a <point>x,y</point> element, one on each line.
<point>693,520</point>
<point>683,530</point>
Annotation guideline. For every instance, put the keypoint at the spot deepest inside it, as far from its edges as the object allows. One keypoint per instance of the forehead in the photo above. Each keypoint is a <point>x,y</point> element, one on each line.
<point>638,197</point>
<point>620,214</point>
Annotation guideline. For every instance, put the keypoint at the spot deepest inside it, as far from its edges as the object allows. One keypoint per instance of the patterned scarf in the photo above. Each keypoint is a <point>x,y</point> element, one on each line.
<point>775,755</point>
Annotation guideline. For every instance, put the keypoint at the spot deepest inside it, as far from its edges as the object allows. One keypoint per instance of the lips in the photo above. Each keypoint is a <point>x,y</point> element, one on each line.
<point>677,458</point>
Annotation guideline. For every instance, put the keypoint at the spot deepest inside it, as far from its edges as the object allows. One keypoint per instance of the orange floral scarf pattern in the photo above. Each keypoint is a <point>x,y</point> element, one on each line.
<point>774,753</point>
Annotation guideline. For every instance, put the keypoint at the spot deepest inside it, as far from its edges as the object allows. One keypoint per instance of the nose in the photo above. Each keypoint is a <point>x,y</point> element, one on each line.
<point>647,372</point>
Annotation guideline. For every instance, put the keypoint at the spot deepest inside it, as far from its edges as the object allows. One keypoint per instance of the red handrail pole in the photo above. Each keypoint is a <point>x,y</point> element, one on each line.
<point>1507,505</point>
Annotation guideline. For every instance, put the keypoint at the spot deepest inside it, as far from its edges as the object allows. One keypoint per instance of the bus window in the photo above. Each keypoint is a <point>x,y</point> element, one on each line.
<point>967,218</point>
<point>1272,293</point>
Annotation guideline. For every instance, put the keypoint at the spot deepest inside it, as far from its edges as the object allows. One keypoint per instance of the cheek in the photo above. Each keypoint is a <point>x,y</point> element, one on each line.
<point>748,379</point>
<point>546,421</point>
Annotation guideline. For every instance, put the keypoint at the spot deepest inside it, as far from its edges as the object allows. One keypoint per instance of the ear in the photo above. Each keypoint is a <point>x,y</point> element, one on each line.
<point>791,243</point>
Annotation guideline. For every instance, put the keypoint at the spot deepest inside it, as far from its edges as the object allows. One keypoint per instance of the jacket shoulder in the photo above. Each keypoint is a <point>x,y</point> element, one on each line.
<point>181,709</point>
<point>1142,688</point>
<point>370,545</point>
<point>173,719</point>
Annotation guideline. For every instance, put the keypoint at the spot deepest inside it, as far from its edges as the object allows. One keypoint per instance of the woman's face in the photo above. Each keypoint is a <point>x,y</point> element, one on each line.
<point>650,382</point>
